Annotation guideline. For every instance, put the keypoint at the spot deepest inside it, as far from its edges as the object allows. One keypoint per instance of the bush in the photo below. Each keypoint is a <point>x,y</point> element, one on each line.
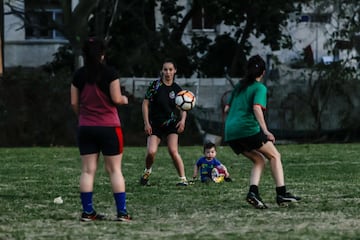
<point>35,108</point>
<point>35,111</point>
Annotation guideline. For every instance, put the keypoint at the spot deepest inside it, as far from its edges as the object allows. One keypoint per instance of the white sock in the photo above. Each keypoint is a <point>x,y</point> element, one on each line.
<point>183,178</point>
<point>147,170</point>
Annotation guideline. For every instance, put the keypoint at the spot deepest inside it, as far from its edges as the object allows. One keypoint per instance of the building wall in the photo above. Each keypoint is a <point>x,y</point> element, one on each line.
<point>19,51</point>
<point>29,53</point>
<point>304,34</point>
<point>285,114</point>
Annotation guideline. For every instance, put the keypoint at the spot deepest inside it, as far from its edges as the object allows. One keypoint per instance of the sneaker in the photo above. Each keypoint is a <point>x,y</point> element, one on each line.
<point>123,217</point>
<point>85,217</point>
<point>255,201</point>
<point>283,200</point>
<point>183,183</point>
<point>145,179</point>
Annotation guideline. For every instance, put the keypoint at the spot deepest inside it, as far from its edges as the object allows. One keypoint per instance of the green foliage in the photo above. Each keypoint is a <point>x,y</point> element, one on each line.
<point>218,57</point>
<point>35,108</point>
<point>171,12</point>
<point>32,177</point>
<point>329,92</point>
<point>63,60</point>
<point>257,18</point>
<point>134,46</point>
<point>138,49</point>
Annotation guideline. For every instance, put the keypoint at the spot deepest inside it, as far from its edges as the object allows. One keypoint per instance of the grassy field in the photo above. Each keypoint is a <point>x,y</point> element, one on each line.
<point>325,175</point>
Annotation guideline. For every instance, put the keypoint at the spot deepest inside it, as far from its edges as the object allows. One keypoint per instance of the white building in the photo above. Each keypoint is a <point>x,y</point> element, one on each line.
<point>26,46</point>
<point>30,48</point>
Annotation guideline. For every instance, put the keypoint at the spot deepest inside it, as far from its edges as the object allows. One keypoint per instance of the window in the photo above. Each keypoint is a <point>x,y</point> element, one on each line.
<point>202,20</point>
<point>316,17</point>
<point>40,15</point>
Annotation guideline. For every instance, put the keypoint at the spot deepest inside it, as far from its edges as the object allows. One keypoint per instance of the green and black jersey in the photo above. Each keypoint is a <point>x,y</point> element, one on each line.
<point>162,109</point>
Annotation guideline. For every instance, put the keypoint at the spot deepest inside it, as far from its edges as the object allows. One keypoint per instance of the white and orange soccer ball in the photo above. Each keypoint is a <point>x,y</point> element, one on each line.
<point>185,100</point>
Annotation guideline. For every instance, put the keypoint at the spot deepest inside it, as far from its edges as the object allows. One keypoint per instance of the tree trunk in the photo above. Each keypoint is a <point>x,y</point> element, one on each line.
<point>239,59</point>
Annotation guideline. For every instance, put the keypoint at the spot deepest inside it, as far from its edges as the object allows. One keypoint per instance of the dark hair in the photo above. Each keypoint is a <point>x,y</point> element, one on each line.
<point>209,145</point>
<point>93,50</point>
<point>255,68</point>
<point>169,60</point>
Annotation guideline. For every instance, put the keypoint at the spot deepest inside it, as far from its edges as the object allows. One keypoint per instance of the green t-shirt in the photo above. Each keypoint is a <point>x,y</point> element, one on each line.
<point>241,121</point>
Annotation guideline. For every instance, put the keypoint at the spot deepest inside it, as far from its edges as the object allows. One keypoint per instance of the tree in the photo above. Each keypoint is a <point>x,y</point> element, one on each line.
<point>340,79</point>
<point>258,18</point>
<point>138,47</point>
<point>87,18</point>
<point>248,17</point>
<point>142,47</point>
<point>134,47</point>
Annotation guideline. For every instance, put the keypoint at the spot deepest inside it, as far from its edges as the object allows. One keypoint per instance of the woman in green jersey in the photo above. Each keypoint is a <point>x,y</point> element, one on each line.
<point>246,132</point>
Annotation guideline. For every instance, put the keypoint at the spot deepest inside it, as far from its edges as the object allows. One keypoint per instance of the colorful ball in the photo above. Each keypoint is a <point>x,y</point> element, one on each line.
<point>185,100</point>
<point>218,174</point>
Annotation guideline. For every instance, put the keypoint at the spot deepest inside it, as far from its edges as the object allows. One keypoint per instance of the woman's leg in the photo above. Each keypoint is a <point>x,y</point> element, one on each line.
<point>271,153</point>
<point>88,171</point>
<point>153,142</point>
<point>113,167</point>
<point>172,141</point>
<point>87,178</point>
<point>283,197</point>
<point>258,166</point>
<point>253,196</point>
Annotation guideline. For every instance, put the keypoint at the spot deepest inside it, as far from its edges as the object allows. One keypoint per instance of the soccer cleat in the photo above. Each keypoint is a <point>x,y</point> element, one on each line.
<point>255,201</point>
<point>123,217</point>
<point>183,183</point>
<point>283,200</point>
<point>85,217</point>
<point>145,179</point>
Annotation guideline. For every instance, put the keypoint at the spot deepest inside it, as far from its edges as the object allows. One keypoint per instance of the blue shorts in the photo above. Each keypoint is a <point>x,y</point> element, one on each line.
<point>248,144</point>
<point>93,139</point>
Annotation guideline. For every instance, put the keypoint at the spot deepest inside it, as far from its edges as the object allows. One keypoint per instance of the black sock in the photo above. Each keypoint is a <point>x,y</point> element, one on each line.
<point>281,190</point>
<point>254,189</point>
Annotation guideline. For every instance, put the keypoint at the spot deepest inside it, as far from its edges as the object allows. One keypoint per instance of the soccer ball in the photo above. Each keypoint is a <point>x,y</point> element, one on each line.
<point>218,174</point>
<point>185,100</point>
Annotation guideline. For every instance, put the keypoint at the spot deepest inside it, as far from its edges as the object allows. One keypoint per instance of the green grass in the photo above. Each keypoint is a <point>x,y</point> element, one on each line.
<point>325,175</point>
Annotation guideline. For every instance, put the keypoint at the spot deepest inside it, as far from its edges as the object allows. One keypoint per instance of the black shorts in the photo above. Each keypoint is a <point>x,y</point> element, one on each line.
<point>93,139</point>
<point>164,130</point>
<point>247,144</point>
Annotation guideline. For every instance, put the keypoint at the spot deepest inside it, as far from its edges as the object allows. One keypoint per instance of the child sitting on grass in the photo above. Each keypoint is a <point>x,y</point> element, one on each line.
<point>209,167</point>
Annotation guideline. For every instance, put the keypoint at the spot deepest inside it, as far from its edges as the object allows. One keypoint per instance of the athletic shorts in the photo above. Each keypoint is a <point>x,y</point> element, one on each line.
<point>164,130</point>
<point>93,139</point>
<point>248,144</point>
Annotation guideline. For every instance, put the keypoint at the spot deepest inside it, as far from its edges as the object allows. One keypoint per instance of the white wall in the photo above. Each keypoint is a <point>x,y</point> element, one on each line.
<point>13,30</point>
<point>29,54</point>
<point>302,33</point>
<point>19,51</point>
<point>40,52</point>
